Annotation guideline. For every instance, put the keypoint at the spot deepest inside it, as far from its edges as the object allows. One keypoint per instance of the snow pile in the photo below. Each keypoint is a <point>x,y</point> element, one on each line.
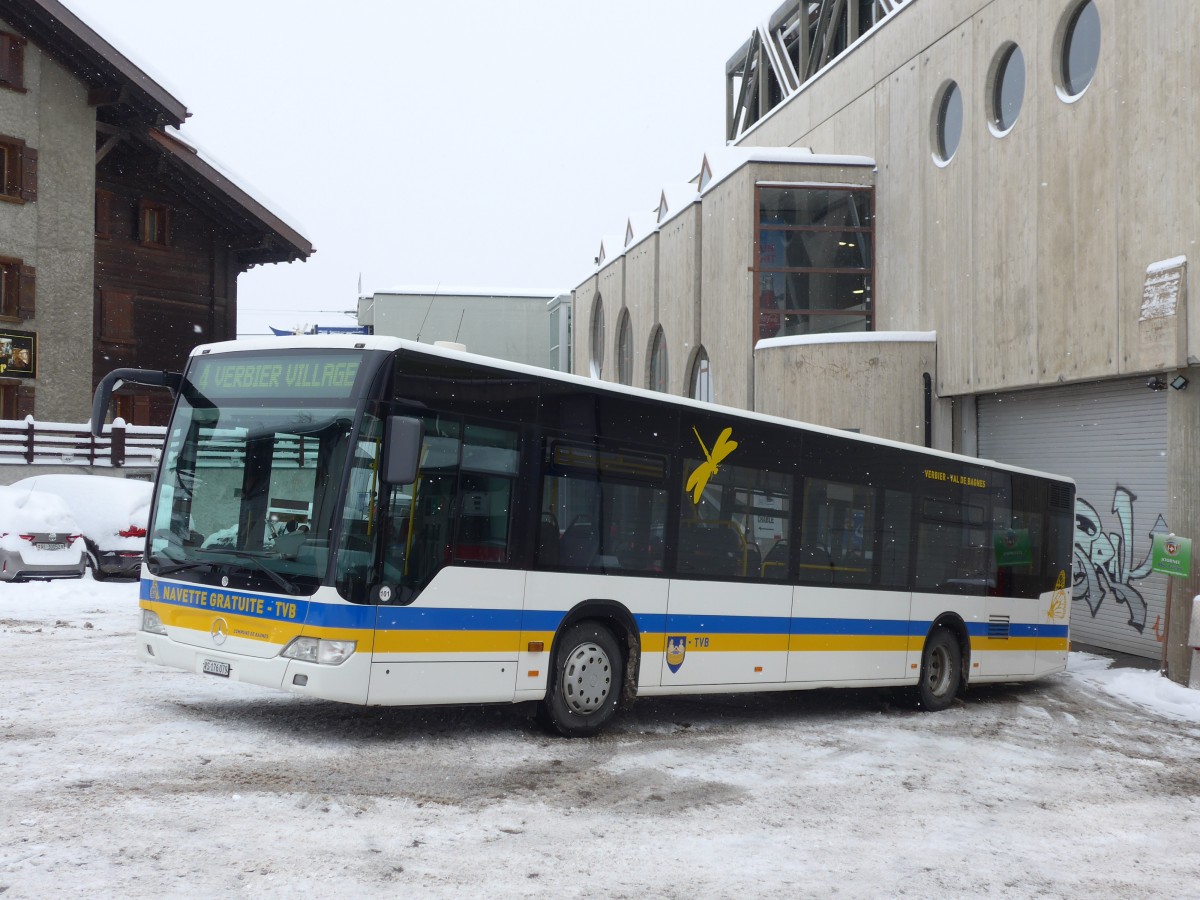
<point>24,511</point>
<point>1141,687</point>
<point>103,506</point>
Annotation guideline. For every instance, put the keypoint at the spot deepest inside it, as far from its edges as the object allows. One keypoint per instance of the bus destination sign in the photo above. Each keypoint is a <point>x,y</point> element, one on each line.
<point>310,375</point>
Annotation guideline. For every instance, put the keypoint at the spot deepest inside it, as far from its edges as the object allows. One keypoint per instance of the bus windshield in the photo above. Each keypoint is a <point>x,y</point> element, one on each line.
<point>253,464</point>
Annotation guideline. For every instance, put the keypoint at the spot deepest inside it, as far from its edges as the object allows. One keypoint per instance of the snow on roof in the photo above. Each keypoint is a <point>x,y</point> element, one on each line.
<point>444,290</point>
<point>853,337</point>
<point>674,199</point>
<point>612,247</point>
<point>236,180</point>
<point>1165,264</point>
<point>640,225</point>
<point>721,162</point>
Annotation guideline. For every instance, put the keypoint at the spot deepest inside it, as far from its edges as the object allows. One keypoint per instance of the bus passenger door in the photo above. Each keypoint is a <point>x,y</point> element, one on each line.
<point>450,632</point>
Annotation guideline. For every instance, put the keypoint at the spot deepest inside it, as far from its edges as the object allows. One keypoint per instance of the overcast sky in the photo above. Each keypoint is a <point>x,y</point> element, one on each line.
<point>469,143</point>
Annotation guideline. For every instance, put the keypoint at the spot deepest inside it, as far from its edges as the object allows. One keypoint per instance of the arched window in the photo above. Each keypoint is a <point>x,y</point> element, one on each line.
<point>658,379</point>
<point>702,378</point>
<point>598,337</point>
<point>625,349</point>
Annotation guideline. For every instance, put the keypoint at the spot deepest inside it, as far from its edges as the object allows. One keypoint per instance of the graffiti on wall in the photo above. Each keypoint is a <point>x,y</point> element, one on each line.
<point>1104,566</point>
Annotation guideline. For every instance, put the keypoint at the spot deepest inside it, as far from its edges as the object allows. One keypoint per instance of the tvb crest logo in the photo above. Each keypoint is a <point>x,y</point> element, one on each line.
<point>676,651</point>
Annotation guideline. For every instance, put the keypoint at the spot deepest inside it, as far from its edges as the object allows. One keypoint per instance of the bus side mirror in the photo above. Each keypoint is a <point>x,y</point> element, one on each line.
<point>402,450</point>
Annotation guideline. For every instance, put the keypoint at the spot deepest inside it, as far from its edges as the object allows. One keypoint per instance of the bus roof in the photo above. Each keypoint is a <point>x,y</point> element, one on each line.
<point>392,344</point>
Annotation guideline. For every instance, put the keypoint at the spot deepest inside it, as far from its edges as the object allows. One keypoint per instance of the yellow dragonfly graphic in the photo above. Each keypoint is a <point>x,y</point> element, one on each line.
<point>699,479</point>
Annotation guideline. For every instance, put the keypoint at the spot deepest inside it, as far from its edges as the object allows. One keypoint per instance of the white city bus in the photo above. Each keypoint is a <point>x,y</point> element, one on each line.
<point>379,522</point>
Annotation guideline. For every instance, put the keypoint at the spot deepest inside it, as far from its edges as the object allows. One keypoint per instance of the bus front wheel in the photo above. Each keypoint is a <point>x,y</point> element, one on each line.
<point>585,681</point>
<point>941,671</point>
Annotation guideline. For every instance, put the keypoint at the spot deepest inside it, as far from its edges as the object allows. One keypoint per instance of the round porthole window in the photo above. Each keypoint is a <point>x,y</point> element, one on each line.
<point>947,122</point>
<point>1008,88</point>
<point>1080,50</point>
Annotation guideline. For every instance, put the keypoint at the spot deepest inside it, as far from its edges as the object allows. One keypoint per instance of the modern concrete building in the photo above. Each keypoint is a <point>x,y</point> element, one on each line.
<point>966,223</point>
<point>525,326</point>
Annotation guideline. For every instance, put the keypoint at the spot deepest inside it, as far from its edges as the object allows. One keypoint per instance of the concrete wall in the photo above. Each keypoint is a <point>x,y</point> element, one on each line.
<point>641,302</point>
<point>679,292</point>
<point>1027,252</point>
<point>56,232</point>
<point>872,384</point>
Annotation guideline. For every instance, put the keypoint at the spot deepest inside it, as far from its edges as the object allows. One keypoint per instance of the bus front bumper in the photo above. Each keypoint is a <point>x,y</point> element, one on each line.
<point>346,682</point>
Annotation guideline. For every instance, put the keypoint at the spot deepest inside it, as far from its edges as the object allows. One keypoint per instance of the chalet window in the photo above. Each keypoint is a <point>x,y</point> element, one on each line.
<point>16,289</point>
<point>815,267</point>
<point>154,221</point>
<point>116,317</point>
<point>18,170</point>
<point>16,399</point>
<point>12,61</point>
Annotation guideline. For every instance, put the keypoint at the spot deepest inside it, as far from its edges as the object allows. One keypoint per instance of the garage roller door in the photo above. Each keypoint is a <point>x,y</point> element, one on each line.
<point>1111,437</point>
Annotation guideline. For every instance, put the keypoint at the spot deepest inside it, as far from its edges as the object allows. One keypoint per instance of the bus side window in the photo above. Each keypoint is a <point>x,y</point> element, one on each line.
<point>737,525</point>
<point>601,509</point>
<point>838,535</point>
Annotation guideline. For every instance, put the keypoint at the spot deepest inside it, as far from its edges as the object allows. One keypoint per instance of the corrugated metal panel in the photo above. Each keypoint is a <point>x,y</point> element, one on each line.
<point>1111,437</point>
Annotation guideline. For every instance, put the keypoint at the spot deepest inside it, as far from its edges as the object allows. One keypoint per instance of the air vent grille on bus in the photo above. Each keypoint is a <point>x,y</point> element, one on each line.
<point>998,628</point>
<point>1060,495</point>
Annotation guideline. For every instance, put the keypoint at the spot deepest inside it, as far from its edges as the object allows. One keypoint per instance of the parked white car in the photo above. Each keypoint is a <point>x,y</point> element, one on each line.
<point>112,513</point>
<point>39,539</point>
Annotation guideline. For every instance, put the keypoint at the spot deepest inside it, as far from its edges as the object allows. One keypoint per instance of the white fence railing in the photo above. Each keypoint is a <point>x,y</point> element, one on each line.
<point>33,443</point>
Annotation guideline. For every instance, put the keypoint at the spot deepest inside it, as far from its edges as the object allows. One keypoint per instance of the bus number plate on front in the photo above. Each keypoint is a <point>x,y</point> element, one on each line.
<point>214,667</point>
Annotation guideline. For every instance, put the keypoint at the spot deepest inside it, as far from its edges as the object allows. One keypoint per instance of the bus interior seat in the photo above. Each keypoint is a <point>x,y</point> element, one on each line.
<point>816,565</point>
<point>710,549</point>
<point>578,545</point>
<point>775,565</point>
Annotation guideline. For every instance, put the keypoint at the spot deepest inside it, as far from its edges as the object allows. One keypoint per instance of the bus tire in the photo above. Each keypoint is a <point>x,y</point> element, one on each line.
<point>585,681</point>
<point>941,672</point>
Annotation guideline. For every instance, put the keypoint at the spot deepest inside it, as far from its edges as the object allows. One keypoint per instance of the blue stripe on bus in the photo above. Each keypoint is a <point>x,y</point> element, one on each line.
<point>1019,630</point>
<point>416,618</point>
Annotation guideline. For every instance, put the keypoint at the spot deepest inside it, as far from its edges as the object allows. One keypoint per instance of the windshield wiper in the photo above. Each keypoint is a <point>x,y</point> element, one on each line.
<point>288,586</point>
<point>173,567</point>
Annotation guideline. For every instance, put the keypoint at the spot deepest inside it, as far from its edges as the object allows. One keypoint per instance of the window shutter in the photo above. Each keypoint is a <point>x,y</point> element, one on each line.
<point>12,61</point>
<point>26,291</point>
<point>24,401</point>
<point>103,213</point>
<point>116,316</point>
<point>28,173</point>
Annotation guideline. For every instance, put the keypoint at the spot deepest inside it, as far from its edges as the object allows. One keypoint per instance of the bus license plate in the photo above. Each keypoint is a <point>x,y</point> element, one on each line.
<point>214,667</point>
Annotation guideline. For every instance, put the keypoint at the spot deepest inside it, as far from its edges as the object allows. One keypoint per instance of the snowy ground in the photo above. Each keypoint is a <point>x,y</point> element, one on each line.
<point>124,779</point>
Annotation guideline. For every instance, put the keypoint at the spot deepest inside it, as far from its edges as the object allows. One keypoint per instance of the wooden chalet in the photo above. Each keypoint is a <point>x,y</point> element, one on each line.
<point>172,232</point>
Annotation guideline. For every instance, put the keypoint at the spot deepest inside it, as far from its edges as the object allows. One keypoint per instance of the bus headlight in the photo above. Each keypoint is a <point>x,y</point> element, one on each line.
<point>320,651</point>
<point>152,623</point>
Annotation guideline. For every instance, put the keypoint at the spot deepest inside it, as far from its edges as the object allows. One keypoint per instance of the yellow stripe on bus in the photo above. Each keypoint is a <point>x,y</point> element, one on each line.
<point>850,643</point>
<point>448,641</point>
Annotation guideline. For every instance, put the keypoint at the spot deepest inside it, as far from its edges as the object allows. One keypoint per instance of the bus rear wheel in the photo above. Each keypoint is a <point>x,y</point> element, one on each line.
<point>941,672</point>
<point>585,681</point>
